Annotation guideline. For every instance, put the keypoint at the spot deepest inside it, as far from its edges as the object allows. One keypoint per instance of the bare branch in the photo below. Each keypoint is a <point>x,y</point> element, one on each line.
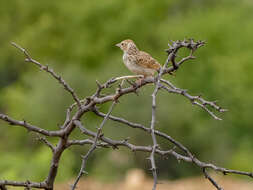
<point>41,185</point>
<point>30,127</point>
<point>46,142</point>
<point>152,126</point>
<point>86,141</point>
<point>175,46</point>
<point>220,169</point>
<point>91,103</point>
<point>195,100</point>
<point>94,145</point>
<point>190,158</point>
<point>215,184</point>
<point>50,71</point>
<point>183,92</point>
<point>115,144</point>
<point>142,127</point>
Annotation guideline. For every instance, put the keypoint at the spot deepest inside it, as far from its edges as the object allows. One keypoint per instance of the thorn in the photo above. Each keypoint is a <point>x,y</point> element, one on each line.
<point>126,139</point>
<point>164,157</point>
<point>183,92</point>
<point>215,102</point>
<point>153,169</point>
<point>174,148</point>
<point>83,156</point>
<point>217,118</point>
<point>169,45</point>
<point>42,68</point>
<point>199,96</point>
<point>88,98</point>
<point>84,172</point>
<point>98,84</point>
<point>115,147</point>
<point>71,186</point>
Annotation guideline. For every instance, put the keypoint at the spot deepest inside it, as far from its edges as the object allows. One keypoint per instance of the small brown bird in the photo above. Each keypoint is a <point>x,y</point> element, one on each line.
<point>138,62</point>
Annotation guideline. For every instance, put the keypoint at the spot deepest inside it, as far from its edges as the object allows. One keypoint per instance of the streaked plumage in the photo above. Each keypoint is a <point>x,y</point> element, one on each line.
<point>139,62</point>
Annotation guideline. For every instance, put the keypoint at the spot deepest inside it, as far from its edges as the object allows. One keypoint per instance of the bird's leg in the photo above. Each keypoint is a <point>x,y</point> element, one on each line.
<point>139,81</point>
<point>122,82</point>
<point>128,77</point>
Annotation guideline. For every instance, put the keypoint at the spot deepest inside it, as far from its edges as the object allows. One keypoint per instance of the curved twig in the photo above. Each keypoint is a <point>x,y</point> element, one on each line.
<point>90,104</point>
<point>51,72</point>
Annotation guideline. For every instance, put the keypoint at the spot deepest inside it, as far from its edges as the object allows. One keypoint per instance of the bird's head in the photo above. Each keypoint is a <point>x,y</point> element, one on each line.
<point>127,46</point>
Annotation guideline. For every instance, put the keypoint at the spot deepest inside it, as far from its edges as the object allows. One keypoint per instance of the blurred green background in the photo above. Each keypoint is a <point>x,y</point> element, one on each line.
<point>77,38</point>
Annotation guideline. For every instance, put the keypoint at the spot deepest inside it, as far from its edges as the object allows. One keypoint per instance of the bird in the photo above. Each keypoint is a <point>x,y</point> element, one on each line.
<point>138,62</point>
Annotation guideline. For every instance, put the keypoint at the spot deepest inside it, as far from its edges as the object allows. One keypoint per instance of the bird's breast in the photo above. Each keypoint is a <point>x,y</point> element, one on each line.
<point>125,55</point>
<point>131,63</point>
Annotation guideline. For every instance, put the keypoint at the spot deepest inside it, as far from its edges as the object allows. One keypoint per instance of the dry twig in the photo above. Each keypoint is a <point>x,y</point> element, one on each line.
<point>90,104</point>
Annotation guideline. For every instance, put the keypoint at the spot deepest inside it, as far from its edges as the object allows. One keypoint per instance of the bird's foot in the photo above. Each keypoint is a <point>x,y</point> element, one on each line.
<point>140,80</point>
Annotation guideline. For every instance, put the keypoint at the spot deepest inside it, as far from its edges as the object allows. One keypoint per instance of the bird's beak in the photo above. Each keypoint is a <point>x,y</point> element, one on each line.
<point>118,45</point>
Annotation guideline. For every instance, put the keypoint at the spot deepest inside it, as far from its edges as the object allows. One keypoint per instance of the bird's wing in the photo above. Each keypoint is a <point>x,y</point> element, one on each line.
<point>145,60</point>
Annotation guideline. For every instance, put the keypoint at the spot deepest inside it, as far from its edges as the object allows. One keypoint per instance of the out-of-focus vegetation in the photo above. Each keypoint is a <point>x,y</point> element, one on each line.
<point>136,179</point>
<point>77,39</point>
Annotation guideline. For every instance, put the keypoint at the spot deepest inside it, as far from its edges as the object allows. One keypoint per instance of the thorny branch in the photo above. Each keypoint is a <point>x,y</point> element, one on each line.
<point>51,71</point>
<point>153,120</point>
<point>211,180</point>
<point>195,100</point>
<point>93,147</point>
<point>46,142</point>
<point>98,139</point>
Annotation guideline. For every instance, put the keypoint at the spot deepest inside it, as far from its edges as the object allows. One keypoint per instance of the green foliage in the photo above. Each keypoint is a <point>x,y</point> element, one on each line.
<point>77,40</point>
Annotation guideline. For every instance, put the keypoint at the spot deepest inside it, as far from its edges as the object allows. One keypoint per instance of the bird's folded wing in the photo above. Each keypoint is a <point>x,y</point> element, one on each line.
<point>145,60</point>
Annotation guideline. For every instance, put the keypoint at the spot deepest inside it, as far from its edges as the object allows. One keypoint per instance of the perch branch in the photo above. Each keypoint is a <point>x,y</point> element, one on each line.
<point>175,46</point>
<point>99,140</point>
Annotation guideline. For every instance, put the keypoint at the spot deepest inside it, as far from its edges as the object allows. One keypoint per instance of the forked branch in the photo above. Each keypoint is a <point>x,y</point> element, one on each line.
<point>97,139</point>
